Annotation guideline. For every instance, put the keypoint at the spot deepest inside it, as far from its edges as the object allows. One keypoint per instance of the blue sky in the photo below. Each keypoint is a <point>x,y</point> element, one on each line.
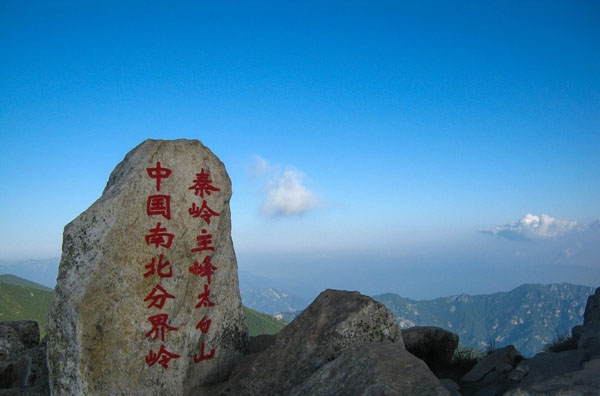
<point>372,146</point>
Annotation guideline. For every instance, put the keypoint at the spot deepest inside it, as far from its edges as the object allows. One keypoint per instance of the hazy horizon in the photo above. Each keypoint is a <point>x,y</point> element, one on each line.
<point>426,149</point>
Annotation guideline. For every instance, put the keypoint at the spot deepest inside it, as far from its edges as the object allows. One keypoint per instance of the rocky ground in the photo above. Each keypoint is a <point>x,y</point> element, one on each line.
<point>348,344</point>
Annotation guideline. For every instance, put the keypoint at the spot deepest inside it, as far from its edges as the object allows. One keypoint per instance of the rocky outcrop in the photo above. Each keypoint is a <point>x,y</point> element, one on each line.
<point>433,345</point>
<point>23,369</point>
<point>570,372</point>
<point>372,369</point>
<point>574,372</point>
<point>489,377</point>
<point>346,337</point>
<point>147,298</point>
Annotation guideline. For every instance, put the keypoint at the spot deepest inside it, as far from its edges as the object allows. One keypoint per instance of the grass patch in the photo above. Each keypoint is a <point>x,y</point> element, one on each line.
<point>562,343</point>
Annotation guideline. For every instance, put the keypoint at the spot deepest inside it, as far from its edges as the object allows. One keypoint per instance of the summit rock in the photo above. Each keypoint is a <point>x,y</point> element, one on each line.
<point>147,298</point>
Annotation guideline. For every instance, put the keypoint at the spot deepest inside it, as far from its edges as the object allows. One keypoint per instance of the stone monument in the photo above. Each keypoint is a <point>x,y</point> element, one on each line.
<point>147,299</point>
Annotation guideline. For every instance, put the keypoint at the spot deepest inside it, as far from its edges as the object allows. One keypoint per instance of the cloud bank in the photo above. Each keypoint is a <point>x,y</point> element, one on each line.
<point>532,227</point>
<point>285,192</point>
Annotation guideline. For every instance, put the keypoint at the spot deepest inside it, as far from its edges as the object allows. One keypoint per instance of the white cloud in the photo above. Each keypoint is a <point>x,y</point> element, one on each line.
<point>534,227</point>
<point>286,195</point>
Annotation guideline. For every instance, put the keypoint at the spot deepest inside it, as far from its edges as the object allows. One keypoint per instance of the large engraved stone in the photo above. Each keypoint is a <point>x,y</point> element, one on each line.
<point>108,333</point>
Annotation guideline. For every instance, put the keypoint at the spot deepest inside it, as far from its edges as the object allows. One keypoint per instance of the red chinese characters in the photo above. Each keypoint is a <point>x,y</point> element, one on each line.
<point>158,173</point>
<point>202,184</point>
<point>157,297</point>
<point>204,212</point>
<point>159,205</point>
<point>205,298</point>
<point>204,324</point>
<point>159,325</point>
<point>203,355</point>
<point>204,242</point>
<point>204,269</point>
<point>162,357</point>
<point>159,268</point>
<point>159,237</point>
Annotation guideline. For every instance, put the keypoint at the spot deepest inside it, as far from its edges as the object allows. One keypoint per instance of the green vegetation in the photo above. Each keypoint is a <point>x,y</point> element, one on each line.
<point>562,343</point>
<point>24,303</point>
<point>490,347</point>
<point>260,323</point>
<point>15,280</point>
<point>466,356</point>
<point>528,317</point>
<point>21,299</point>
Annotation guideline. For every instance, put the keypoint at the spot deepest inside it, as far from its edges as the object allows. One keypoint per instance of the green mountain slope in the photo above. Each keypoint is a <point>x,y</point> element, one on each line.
<point>260,323</point>
<point>21,299</point>
<point>529,316</point>
<point>15,280</point>
<point>24,303</point>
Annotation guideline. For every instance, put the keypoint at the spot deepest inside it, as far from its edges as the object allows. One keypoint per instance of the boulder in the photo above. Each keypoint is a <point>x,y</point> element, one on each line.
<point>147,299</point>
<point>23,367</point>
<point>334,322</point>
<point>372,369</point>
<point>547,364</point>
<point>589,334</point>
<point>582,382</point>
<point>591,316</point>
<point>17,336</point>
<point>451,386</point>
<point>490,376</point>
<point>433,345</point>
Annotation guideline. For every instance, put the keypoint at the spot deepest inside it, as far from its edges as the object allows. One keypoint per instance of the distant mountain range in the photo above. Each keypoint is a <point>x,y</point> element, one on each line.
<point>21,299</point>
<point>528,317</point>
<point>259,293</point>
<point>40,271</point>
<point>272,300</point>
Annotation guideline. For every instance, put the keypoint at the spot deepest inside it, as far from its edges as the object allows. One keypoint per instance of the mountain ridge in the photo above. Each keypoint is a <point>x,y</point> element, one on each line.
<point>529,316</point>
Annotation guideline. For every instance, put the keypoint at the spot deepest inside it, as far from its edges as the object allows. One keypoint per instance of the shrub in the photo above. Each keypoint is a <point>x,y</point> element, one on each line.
<point>465,356</point>
<point>562,343</point>
<point>491,347</point>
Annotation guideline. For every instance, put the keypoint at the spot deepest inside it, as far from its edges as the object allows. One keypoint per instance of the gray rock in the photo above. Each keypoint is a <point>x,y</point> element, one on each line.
<point>500,361</point>
<point>334,322</point>
<point>25,369</point>
<point>432,344</point>
<point>583,382</point>
<point>452,386</point>
<point>17,336</point>
<point>114,280</point>
<point>547,364</point>
<point>491,376</point>
<point>591,316</point>
<point>372,369</point>
<point>588,335</point>
<point>260,342</point>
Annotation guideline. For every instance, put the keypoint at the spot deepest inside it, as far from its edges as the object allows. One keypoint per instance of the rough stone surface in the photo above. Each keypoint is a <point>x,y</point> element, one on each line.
<point>589,334</point>
<point>582,382</point>
<point>591,316</point>
<point>490,377</point>
<point>23,369</point>
<point>372,369</point>
<point>334,322</point>
<point>98,319</point>
<point>17,336</point>
<point>547,364</point>
<point>573,372</point>
<point>433,345</point>
<point>452,386</point>
<point>260,342</point>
